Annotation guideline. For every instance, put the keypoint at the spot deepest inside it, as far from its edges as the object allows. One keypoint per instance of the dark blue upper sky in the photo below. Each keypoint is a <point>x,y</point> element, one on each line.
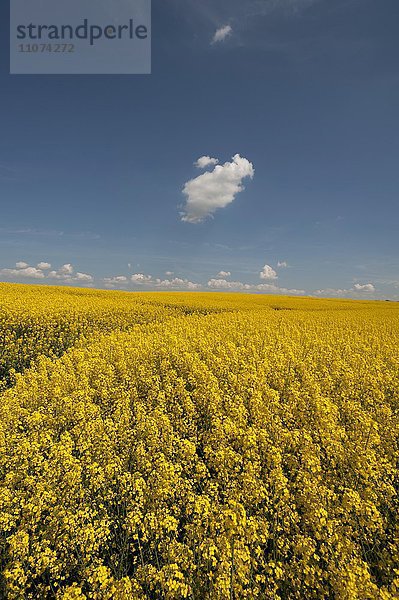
<point>92,168</point>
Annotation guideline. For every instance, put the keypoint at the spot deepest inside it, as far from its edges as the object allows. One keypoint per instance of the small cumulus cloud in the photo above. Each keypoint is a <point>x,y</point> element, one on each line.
<point>141,278</point>
<point>282,264</point>
<point>239,286</point>
<point>65,273</point>
<point>275,289</point>
<point>223,284</point>
<point>332,292</point>
<point>83,277</point>
<point>223,274</point>
<point>115,280</point>
<point>367,287</point>
<point>66,269</point>
<point>215,189</point>
<point>205,161</point>
<point>31,272</point>
<point>268,273</point>
<point>177,283</point>
<point>22,271</point>
<point>150,282</point>
<point>221,34</point>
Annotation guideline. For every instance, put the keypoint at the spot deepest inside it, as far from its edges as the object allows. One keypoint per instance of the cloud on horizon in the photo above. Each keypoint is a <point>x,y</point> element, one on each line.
<point>115,280</point>
<point>149,282</point>
<point>268,273</point>
<point>223,274</point>
<point>358,288</point>
<point>239,286</point>
<point>66,273</point>
<point>367,287</point>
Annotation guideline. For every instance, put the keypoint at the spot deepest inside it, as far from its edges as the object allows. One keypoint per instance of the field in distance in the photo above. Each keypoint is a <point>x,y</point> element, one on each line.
<point>197,445</point>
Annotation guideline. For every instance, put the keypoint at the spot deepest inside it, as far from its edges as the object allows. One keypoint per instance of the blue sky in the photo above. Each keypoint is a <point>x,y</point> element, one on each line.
<point>304,94</point>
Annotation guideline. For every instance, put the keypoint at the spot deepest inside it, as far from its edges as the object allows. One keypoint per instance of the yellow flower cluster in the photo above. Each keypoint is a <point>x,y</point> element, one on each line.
<point>226,446</point>
<point>36,321</point>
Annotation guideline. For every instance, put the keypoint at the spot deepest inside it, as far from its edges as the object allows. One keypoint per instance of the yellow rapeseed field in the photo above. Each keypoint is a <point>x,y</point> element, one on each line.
<point>199,446</point>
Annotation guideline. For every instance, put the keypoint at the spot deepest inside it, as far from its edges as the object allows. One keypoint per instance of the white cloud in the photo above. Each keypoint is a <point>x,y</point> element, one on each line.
<point>238,286</point>
<point>332,292</point>
<point>221,34</point>
<point>268,273</point>
<point>169,273</point>
<point>66,269</point>
<point>223,284</point>
<point>141,278</point>
<point>151,282</point>
<point>65,273</point>
<point>357,288</point>
<point>282,264</point>
<point>205,161</point>
<point>31,272</point>
<point>83,277</point>
<point>27,271</point>
<point>59,275</point>
<point>215,189</point>
<point>223,274</point>
<point>275,289</point>
<point>177,283</point>
<point>116,279</point>
<point>367,287</point>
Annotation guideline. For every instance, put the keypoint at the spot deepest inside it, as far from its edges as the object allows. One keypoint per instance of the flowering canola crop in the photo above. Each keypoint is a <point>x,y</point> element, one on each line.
<point>203,446</point>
